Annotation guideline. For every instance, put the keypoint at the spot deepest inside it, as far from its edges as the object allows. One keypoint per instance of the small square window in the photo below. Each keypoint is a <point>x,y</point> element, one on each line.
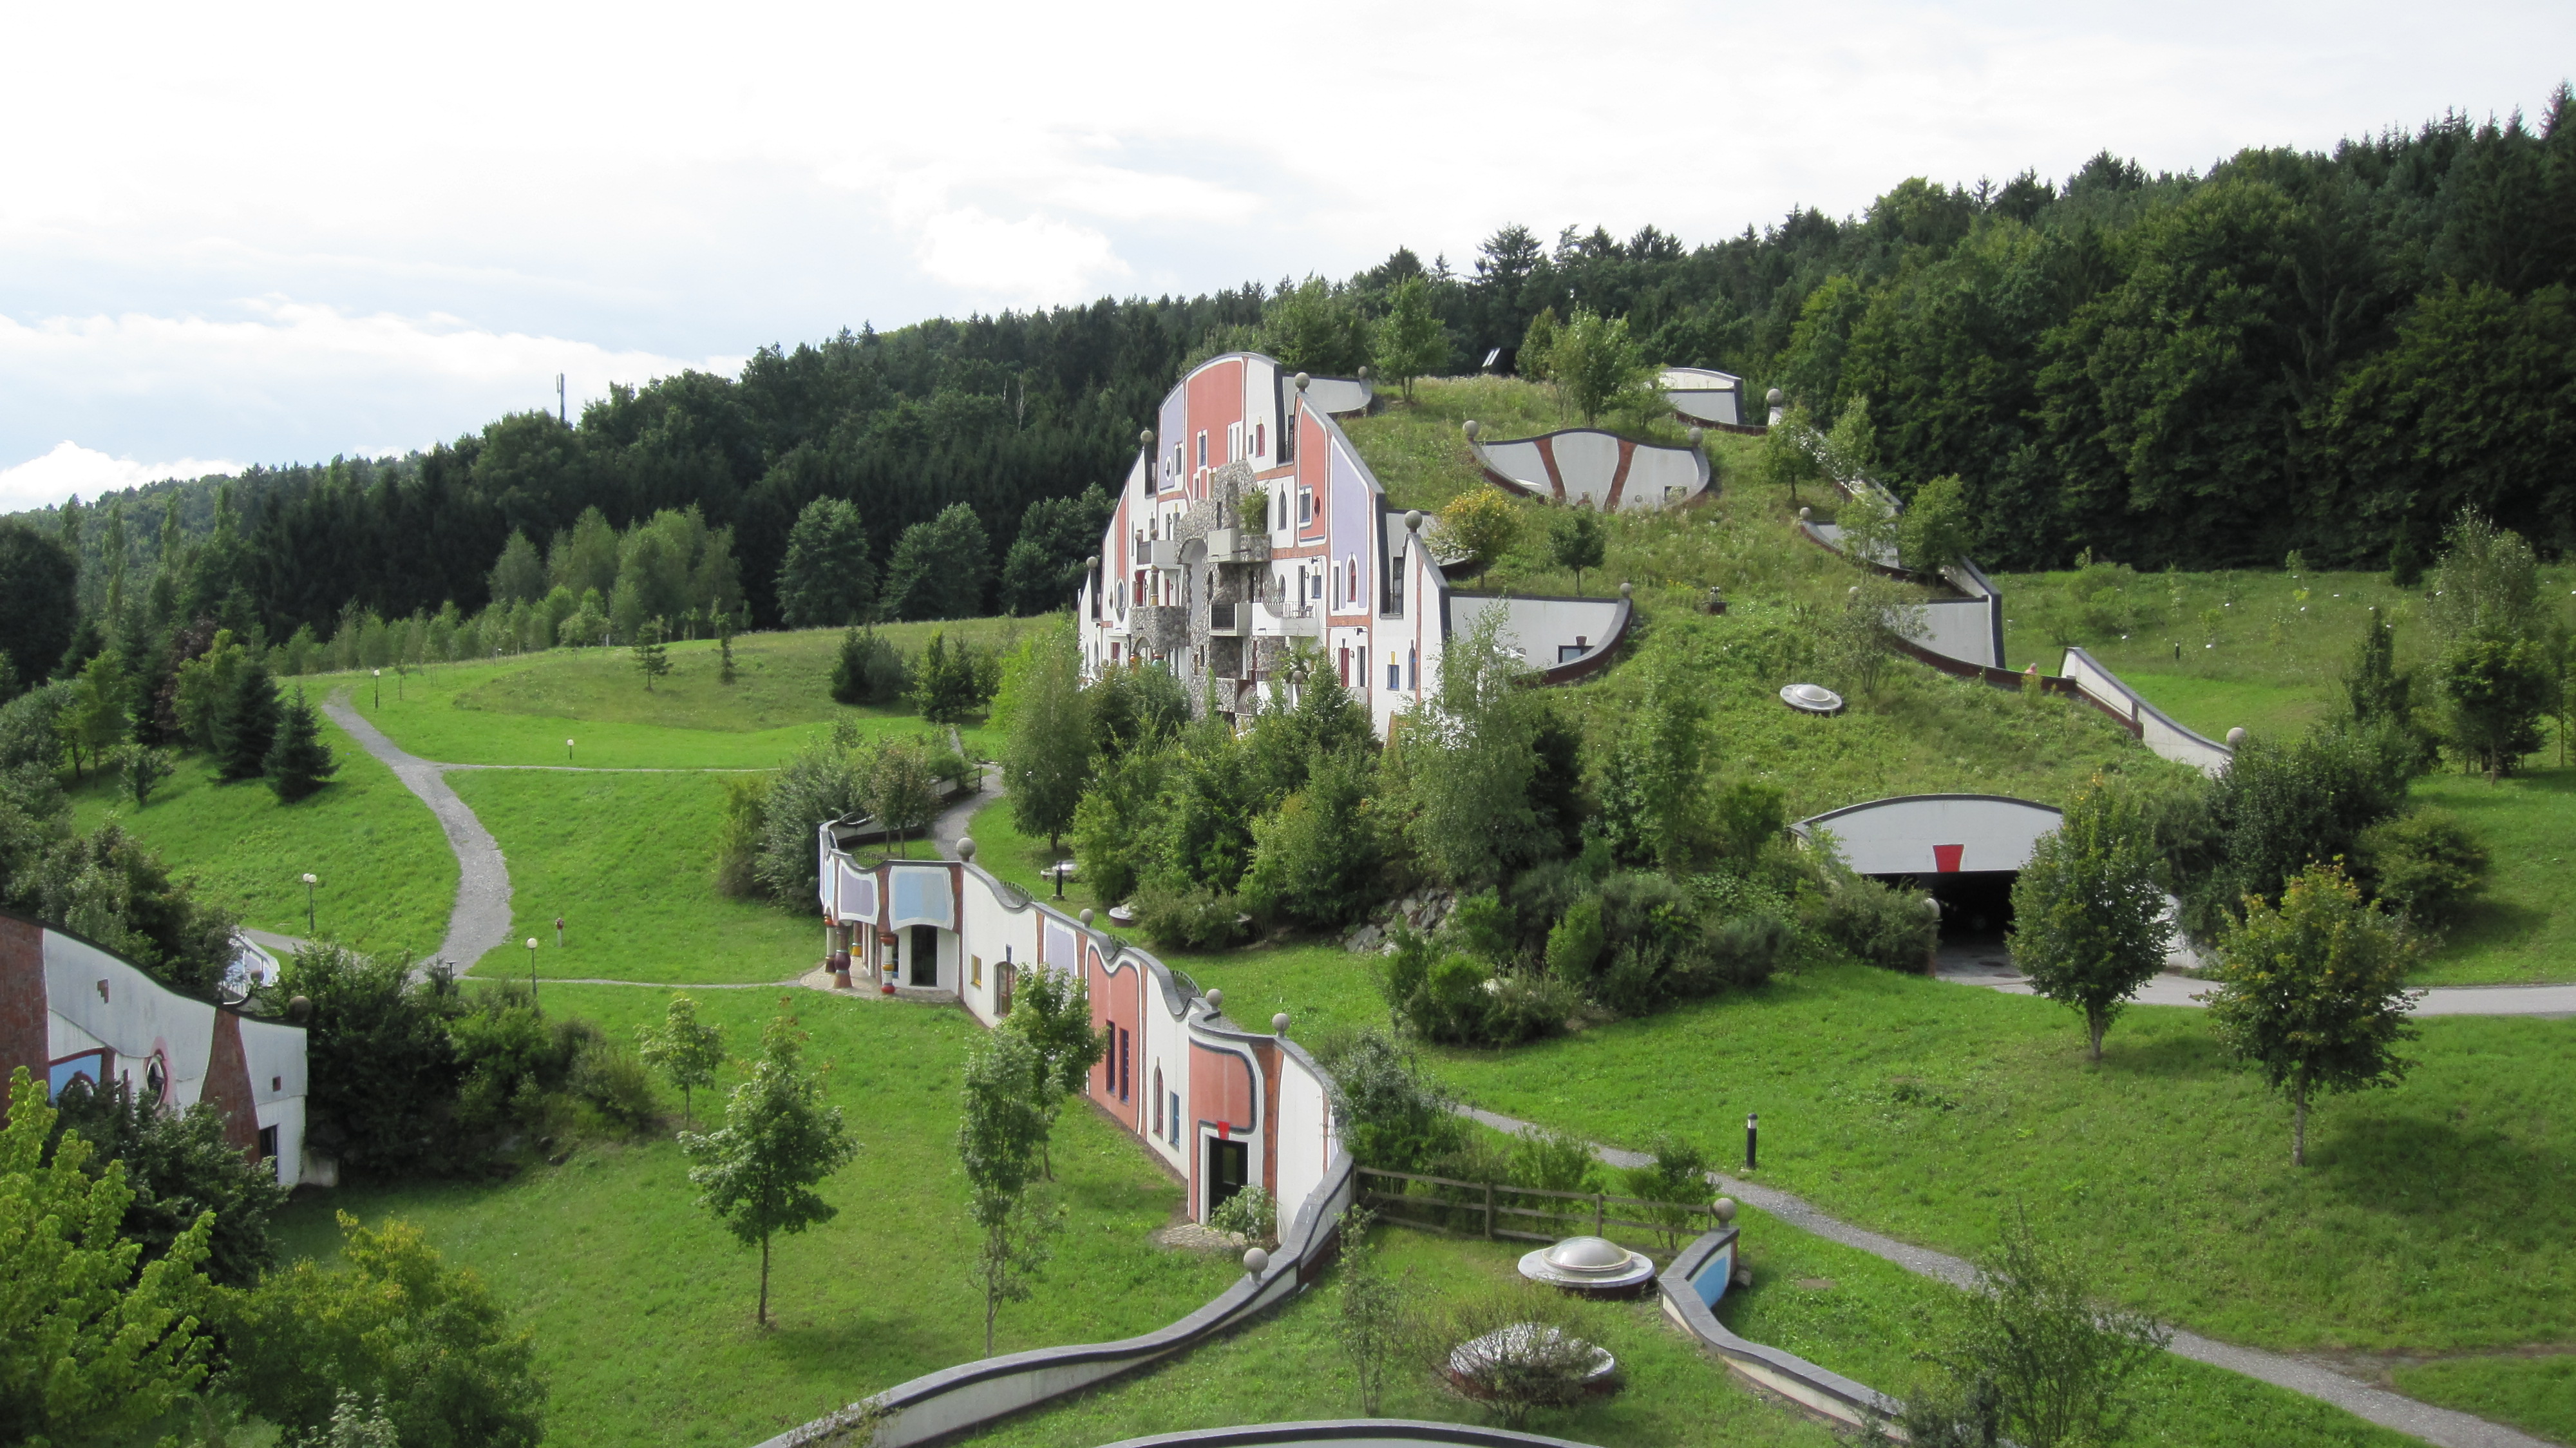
<point>975,970</point>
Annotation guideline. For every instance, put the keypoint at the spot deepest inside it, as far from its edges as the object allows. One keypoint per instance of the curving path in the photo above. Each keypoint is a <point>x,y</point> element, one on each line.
<point>481,917</point>
<point>1993,968</point>
<point>2443,1427</point>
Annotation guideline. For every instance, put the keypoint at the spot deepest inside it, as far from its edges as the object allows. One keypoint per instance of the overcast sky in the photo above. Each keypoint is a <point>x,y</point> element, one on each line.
<point>264,233</point>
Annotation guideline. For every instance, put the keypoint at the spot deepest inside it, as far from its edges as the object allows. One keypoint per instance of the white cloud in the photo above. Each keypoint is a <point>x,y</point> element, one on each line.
<point>72,470</point>
<point>1034,260</point>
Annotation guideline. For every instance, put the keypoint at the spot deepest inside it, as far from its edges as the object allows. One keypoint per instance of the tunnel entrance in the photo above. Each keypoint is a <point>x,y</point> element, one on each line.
<point>1976,913</point>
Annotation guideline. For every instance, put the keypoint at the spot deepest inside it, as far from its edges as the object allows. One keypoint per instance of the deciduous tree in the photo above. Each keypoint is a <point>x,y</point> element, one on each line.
<point>1047,762</point>
<point>827,579</point>
<point>1478,527</point>
<point>2312,993</point>
<point>1411,342</point>
<point>1575,541</point>
<point>684,1049</point>
<point>2088,909</point>
<point>1001,1141</point>
<point>758,1171</point>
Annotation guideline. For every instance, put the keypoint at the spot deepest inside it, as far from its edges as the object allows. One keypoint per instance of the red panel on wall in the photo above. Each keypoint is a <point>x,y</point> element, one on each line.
<point>22,997</point>
<point>1945,858</point>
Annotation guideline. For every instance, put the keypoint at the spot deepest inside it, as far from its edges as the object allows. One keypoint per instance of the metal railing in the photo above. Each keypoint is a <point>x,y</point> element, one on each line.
<point>1480,1209</point>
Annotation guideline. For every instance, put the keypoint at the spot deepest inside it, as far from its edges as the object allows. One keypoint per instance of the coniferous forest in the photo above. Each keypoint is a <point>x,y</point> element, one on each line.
<point>2329,352</point>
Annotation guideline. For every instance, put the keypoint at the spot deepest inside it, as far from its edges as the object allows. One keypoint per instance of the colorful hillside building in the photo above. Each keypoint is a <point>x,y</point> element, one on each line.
<point>1250,530</point>
<point>69,1009</point>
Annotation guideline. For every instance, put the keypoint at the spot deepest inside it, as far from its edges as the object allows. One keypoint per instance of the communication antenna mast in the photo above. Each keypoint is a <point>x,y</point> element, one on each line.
<point>562,414</point>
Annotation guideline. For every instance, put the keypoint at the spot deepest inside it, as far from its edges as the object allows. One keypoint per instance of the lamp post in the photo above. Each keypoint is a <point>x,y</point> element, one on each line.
<point>1752,1135</point>
<point>310,880</point>
<point>380,688</point>
<point>559,928</point>
<point>567,751</point>
<point>1058,871</point>
<point>532,975</point>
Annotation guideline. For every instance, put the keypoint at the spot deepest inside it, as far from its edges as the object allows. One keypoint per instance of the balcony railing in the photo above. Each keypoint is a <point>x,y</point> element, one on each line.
<point>1237,545</point>
<point>1226,620</point>
<point>1291,621</point>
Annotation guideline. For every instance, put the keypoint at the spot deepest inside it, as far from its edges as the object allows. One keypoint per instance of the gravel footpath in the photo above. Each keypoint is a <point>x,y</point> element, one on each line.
<point>481,917</point>
<point>2444,1427</point>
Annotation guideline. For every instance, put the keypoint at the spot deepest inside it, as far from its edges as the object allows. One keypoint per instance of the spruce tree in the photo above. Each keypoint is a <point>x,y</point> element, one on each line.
<point>299,763</point>
<point>246,726</point>
<point>650,657</point>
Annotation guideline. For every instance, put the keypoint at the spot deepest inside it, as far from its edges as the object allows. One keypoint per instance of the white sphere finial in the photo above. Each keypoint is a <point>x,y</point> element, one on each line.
<point>2236,737</point>
<point>1694,436</point>
<point>1301,379</point>
<point>1279,1024</point>
<point>1471,427</point>
<point>1256,1261</point>
<point>966,848</point>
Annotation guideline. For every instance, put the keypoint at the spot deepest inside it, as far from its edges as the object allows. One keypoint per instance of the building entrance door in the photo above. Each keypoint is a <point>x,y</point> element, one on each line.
<point>1229,1168</point>
<point>925,956</point>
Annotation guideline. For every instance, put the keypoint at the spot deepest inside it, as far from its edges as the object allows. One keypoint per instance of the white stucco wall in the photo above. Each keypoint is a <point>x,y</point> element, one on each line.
<point>1959,629</point>
<point>135,1018</point>
<point>1899,836</point>
<point>1538,627</point>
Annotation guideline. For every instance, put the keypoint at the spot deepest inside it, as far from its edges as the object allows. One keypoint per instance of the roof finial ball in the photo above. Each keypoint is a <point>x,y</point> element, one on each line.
<point>1627,590</point>
<point>966,848</point>
<point>1471,427</point>
<point>1086,915</point>
<point>1301,379</point>
<point>1364,374</point>
<point>1773,397</point>
<point>1413,521</point>
<point>1279,1024</point>
<point>1145,438</point>
<point>1255,1261</point>
<point>2236,737</point>
<point>1091,563</point>
<point>1694,436</point>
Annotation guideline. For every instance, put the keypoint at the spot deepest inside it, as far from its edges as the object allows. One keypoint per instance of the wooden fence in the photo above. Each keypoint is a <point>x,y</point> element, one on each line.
<point>1495,1207</point>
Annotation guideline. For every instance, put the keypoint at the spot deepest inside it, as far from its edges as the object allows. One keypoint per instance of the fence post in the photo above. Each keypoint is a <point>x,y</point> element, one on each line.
<point>1600,1204</point>
<point>1489,1211</point>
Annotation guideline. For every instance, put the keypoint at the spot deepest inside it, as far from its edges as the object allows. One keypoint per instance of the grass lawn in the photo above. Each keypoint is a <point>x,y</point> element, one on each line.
<point>1843,1309</point>
<point>2538,1393</point>
<point>1419,449</point>
<point>2523,926</point>
<point>520,710</point>
<point>626,860</point>
<point>642,1304</point>
<point>1288,1366</point>
<point>2433,1217</point>
<point>387,875</point>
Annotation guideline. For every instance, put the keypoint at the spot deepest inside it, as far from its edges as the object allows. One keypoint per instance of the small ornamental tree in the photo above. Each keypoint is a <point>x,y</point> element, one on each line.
<point>1937,526</point>
<point>1599,367</point>
<point>1575,541</point>
<point>89,1347</point>
<point>2034,1355</point>
<point>947,686</point>
<point>1477,528</point>
<point>1001,1141</point>
<point>2312,994</point>
<point>1051,1010</point>
<point>683,1048</point>
<point>145,768</point>
<point>299,763</point>
<point>651,659</point>
<point>1374,1310</point>
<point>757,1171</point>
<point>2499,690</point>
<point>2088,910</point>
<point>900,789</point>
<point>246,725</point>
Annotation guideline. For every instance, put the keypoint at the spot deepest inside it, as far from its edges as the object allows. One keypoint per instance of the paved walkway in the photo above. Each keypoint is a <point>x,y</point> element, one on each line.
<point>480,919</point>
<point>2444,1427</point>
<point>1992,967</point>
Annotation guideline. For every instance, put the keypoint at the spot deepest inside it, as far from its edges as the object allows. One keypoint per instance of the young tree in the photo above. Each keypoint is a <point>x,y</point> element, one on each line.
<point>757,1172</point>
<point>2088,909</point>
<point>827,578</point>
<point>947,686</point>
<point>519,576</point>
<point>1937,526</point>
<point>870,670</point>
<point>1411,342</point>
<point>1316,327</point>
<point>683,1048</point>
<point>1859,639</point>
<point>299,763</point>
<point>1478,527</point>
<point>1051,1010</point>
<point>247,726</point>
<point>90,1348</point>
<point>96,720</point>
<point>2034,1355</point>
<point>724,648</point>
<point>145,768</point>
<point>1373,1312</point>
<point>1047,763</point>
<point>1599,366</point>
<point>900,789</point>
<point>1470,761</point>
<point>651,659</point>
<point>2499,689</point>
<point>1787,456</point>
<point>1575,540</point>
<point>1676,1181</point>
<point>2312,993</point>
<point>396,1324</point>
<point>1538,347</point>
<point>1001,1139</point>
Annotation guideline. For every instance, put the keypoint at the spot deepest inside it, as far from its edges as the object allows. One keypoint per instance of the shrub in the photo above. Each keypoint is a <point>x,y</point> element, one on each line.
<point>870,670</point>
<point>1677,1182</point>
<point>609,1077</point>
<point>2424,865</point>
<point>738,839</point>
<point>1112,827</point>
<point>2281,808</point>
<point>1318,860</point>
<point>381,1076</point>
<point>1188,917</point>
<point>2036,1356</point>
<point>1877,924</point>
<point>821,782</point>
<point>178,1165</point>
<point>1392,1116</point>
<point>1575,942</point>
<point>1252,1214</point>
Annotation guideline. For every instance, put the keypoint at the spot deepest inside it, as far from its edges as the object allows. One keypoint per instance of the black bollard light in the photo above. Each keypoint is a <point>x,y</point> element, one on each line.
<point>1752,1137</point>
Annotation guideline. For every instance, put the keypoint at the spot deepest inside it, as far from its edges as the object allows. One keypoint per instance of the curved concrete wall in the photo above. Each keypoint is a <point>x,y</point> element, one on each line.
<point>1552,633</point>
<point>1685,1288</point>
<point>1934,834</point>
<point>2153,727</point>
<point>1704,395</point>
<point>1587,465</point>
<point>1341,396</point>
